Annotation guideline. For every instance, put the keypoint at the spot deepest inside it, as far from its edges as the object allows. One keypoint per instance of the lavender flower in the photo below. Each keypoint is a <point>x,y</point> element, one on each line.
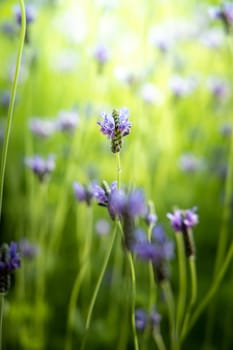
<point>42,127</point>
<point>190,163</point>
<point>30,17</point>
<point>83,193</point>
<point>218,87</point>
<point>132,203</point>
<point>101,54</point>
<point>40,166</point>
<point>141,319</point>
<point>28,249</point>
<point>182,87</point>
<point>224,13</point>
<point>151,94</point>
<point>183,221</point>
<point>115,126</point>
<point>67,120</point>
<point>150,216</point>
<point>102,227</point>
<point>9,261</point>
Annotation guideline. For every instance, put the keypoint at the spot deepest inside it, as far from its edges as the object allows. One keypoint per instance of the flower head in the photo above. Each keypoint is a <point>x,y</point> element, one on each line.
<point>40,166</point>
<point>9,261</point>
<point>29,12</point>
<point>42,127</point>
<point>115,126</point>
<point>83,193</point>
<point>141,319</point>
<point>224,13</point>
<point>67,120</point>
<point>27,249</point>
<point>101,54</point>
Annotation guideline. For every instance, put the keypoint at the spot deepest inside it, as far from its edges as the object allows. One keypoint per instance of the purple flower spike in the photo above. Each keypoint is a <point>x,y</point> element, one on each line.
<point>42,127</point>
<point>82,193</point>
<point>141,319</point>
<point>29,11</point>
<point>176,220</point>
<point>67,120</point>
<point>40,166</point>
<point>9,261</point>
<point>190,217</point>
<point>182,219</point>
<point>101,54</point>
<point>107,125</point>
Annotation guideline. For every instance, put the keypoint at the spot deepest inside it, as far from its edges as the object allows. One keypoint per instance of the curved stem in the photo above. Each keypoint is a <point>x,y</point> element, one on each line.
<point>133,281</point>
<point>213,289</point>
<point>1,317</point>
<point>97,287</point>
<point>182,282</point>
<point>12,101</point>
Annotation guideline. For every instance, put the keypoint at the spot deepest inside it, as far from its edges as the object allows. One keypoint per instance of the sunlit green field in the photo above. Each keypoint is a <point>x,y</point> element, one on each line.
<point>171,66</point>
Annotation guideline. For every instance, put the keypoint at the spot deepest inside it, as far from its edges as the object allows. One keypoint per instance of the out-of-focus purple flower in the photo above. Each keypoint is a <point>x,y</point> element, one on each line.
<point>190,217</point>
<point>183,219</point>
<point>42,127</point>
<point>83,193</point>
<point>182,87</point>
<point>5,99</point>
<point>141,319</point>
<point>102,227</point>
<point>67,120</point>
<point>107,125</point>
<point>161,38</point>
<point>27,249</point>
<point>29,12</point>
<point>190,163</point>
<point>224,12</point>
<point>132,204</point>
<point>41,166</point>
<point>218,87</point>
<point>155,318</point>
<point>101,54</point>
<point>9,261</point>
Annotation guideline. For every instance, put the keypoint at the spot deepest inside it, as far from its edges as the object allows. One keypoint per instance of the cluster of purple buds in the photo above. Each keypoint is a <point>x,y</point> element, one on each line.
<point>115,126</point>
<point>41,167</point>
<point>159,251</point>
<point>143,320</point>
<point>9,261</point>
<point>182,221</point>
<point>225,13</point>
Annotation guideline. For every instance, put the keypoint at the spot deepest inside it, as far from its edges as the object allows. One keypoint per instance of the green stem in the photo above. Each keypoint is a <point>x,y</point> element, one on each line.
<point>12,102</point>
<point>213,289</point>
<point>166,288</point>
<point>97,287</point>
<point>1,317</point>
<point>159,340</point>
<point>193,274</point>
<point>182,282</point>
<point>118,169</point>
<point>133,281</point>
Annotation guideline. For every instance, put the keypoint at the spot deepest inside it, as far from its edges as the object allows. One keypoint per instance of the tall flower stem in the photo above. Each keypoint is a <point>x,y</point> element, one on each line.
<point>182,282</point>
<point>169,299</point>
<point>159,340</point>
<point>1,316</point>
<point>193,275</point>
<point>118,169</point>
<point>213,289</point>
<point>82,272</point>
<point>97,287</point>
<point>133,281</point>
<point>12,102</point>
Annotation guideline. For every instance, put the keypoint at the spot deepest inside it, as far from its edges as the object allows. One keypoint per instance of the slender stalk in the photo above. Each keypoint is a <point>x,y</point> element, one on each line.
<point>82,272</point>
<point>193,274</point>
<point>133,281</point>
<point>97,287</point>
<point>171,313</point>
<point>12,102</point>
<point>1,317</point>
<point>159,340</point>
<point>182,282</point>
<point>213,289</point>
<point>118,169</point>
